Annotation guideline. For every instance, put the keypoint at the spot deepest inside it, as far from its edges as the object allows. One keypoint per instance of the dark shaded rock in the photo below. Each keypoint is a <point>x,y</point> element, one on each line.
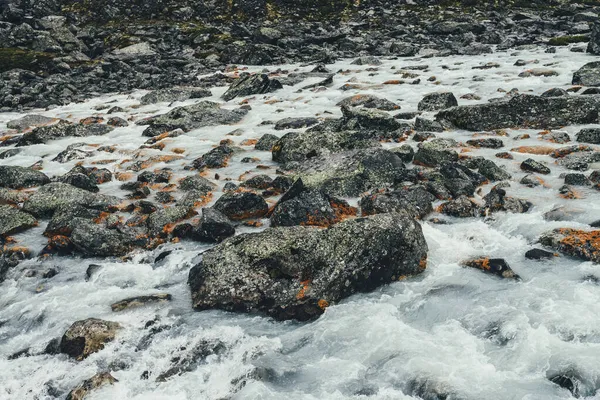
<point>13,221</point>
<point>461,207</point>
<point>437,101</point>
<point>369,119</point>
<point>139,301</point>
<point>577,243</point>
<point>196,183</point>
<point>367,60</point>
<point>427,125</point>
<point>369,101</point>
<point>539,254</point>
<point>295,123</point>
<point>524,111</point>
<point>555,92</point>
<point>187,118</point>
<point>266,142</point>
<point>530,165</point>
<point>9,153</point>
<point>192,358</point>
<point>414,200</point>
<point>594,44</point>
<point>87,386</point>
<point>495,266</point>
<point>117,122</point>
<point>241,205</point>
<point>259,182</point>
<point>87,336</point>
<point>496,200</point>
<point>489,143</point>
<point>214,227</point>
<point>174,94</point>
<point>405,152</point>
<point>19,177</point>
<point>80,181</point>
<point>66,217</point>
<point>251,84</point>
<point>162,221</point>
<point>493,172</point>
<point>577,180</point>
<point>216,158</point>
<point>296,272</point>
<point>434,153</point>
<point>49,197</point>
<point>589,135</point>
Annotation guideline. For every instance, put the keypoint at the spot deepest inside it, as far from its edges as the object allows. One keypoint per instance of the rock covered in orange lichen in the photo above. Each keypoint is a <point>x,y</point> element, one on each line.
<point>574,242</point>
<point>495,266</point>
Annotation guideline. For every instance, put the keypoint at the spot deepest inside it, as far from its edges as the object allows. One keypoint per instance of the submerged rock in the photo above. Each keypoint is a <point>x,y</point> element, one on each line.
<point>15,177</point>
<point>85,387</point>
<point>574,242</point>
<point>524,111</point>
<point>495,266</point>
<point>87,336</point>
<point>61,130</point>
<point>139,301</point>
<point>296,272</point>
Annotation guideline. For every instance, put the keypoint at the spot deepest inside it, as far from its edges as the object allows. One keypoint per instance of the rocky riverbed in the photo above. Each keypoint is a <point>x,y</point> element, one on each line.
<point>392,225</point>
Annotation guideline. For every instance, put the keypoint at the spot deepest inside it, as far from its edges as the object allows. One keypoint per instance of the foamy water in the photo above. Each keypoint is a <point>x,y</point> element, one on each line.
<point>465,333</point>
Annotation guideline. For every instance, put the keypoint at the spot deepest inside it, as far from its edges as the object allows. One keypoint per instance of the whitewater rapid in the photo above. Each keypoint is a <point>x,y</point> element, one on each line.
<point>457,330</point>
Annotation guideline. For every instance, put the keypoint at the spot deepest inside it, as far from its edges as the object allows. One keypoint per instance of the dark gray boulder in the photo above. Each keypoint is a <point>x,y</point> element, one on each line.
<point>437,101</point>
<point>96,240</point>
<point>61,130</point>
<point>30,120</point>
<point>204,113</point>
<point>87,336</point>
<point>461,207</point>
<point>214,227</point>
<point>594,43</point>
<point>416,201</point>
<point>241,205</point>
<point>589,135</point>
<point>296,272</point>
<point>493,172</point>
<point>215,158</point>
<point>530,165</point>
<point>524,111</point>
<point>174,94</point>
<point>196,183</point>
<point>295,123</point>
<point>251,84</point>
<point>66,217</point>
<point>49,197</point>
<point>369,101</point>
<point>161,222</point>
<point>588,75</point>
<point>266,142</point>
<point>435,152</point>
<point>15,177</point>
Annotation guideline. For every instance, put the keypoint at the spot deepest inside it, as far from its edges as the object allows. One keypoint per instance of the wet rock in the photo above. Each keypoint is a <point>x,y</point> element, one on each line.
<point>258,182</point>
<point>251,84</point>
<point>524,111</point>
<point>588,75</point>
<point>72,152</point>
<point>589,135</point>
<point>490,143</point>
<point>139,301</point>
<point>405,152</point>
<point>19,177</point>
<point>538,72</point>
<point>574,382</point>
<point>266,142</point>
<point>117,122</point>
<point>191,358</point>
<point>87,386</point>
<point>66,217</point>
<point>461,207</point>
<point>10,258</point>
<point>214,227</point>
<point>594,44</point>
<point>555,92</point>
<point>295,123</point>
<point>61,130</point>
<point>9,153</point>
<point>369,101</point>
<point>241,205</point>
<point>493,172</point>
<point>187,118</point>
<point>437,101</point>
<point>427,125</point>
<point>30,120</point>
<point>216,158</point>
<point>174,94</point>
<point>539,254</point>
<point>196,183</point>
<point>350,173</point>
<point>577,180</point>
<point>96,240</point>
<point>369,119</point>
<point>495,266</point>
<point>558,137</point>
<point>434,153</point>
<point>496,200</point>
<point>530,165</point>
<point>13,221</point>
<point>367,60</point>
<point>414,200</point>
<point>162,221</point>
<point>87,336</point>
<point>49,197</point>
<point>296,272</point>
<point>80,181</point>
<point>577,243</point>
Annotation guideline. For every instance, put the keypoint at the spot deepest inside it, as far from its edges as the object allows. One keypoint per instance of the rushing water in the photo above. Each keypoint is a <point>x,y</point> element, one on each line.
<point>452,330</point>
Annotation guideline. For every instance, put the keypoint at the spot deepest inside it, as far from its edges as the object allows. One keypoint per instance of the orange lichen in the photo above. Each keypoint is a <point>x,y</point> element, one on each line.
<point>254,224</point>
<point>481,263</point>
<point>323,304</point>
<point>539,150</point>
<point>178,150</point>
<point>423,263</point>
<point>249,142</point>
<point>102,217</point>
<point>302,293</point>
<point>393,82</point>
<point>343,210</point>
<point>565,151</point>
<point>204,200</point>
<point>124,176</point>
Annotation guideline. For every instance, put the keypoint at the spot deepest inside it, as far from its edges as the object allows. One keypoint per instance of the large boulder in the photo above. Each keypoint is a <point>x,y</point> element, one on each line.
<point>174,94</point>
<point>251,84</point>
<point>296,272</point>
<point>350,173</point>
<point>186,118</point>
<point>95,240</point>
<point>214,227</point>
<point>436,152</point>
<point>61,130</point>
<point>30,120</point>
<point>241,205</point>
<point>437,101</point>
<point>594,44</point>
<point>524,111</point>
<point>588,75</point>
<point>87,336</point>
<point>589,135</point>
<point>15,177</point>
